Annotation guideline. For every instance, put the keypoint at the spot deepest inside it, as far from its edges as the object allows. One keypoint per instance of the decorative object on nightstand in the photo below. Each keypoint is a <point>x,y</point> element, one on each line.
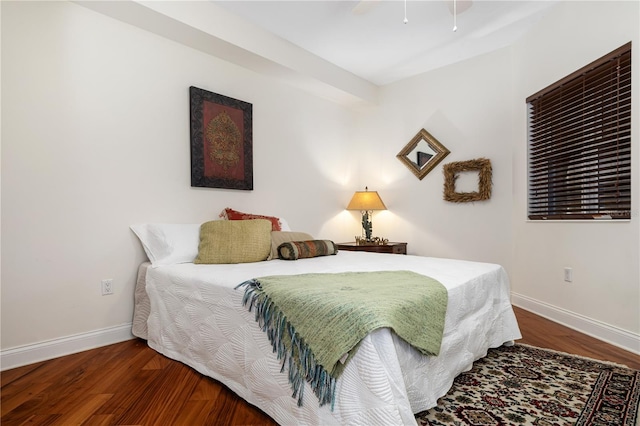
<point>366,202</point>
<point>389,247</point>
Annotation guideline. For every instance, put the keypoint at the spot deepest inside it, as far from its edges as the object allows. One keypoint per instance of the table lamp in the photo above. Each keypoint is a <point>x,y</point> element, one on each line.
<point>366,201</point>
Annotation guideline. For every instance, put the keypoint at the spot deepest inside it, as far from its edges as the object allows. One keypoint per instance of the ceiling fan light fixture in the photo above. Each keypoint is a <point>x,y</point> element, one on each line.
<point>405,12</point>
<point>455,16</point>
<point>457,7</point>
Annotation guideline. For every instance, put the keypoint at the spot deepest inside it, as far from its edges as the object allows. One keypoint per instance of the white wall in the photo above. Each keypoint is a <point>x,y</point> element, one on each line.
<point>476,109</point>
<point>467,108</point>
<point>605,257</point>
<point>95,137</point>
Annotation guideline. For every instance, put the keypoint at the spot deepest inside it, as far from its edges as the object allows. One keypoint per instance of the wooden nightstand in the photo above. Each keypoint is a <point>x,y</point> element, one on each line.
<point>395,248</point>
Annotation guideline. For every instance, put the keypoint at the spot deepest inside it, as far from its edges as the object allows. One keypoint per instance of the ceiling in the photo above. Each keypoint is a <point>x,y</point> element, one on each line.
<point>369,38</point>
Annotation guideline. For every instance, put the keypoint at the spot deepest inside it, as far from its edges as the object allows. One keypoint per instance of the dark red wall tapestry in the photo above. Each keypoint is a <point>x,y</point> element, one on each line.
<point>221,141</point>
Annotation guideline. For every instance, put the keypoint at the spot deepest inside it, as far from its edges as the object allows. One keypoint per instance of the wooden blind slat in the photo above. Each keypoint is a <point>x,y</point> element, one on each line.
<point>595,64</point>
<point>580,143</point>
<point>578,117</point>
<point>584,93</point>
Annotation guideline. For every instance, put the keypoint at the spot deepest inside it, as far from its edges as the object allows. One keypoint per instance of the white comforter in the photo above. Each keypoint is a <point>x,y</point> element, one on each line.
<point>197,317</point>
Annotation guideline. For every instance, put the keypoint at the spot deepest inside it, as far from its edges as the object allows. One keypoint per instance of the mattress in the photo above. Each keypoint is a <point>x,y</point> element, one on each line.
<point>193,314</point>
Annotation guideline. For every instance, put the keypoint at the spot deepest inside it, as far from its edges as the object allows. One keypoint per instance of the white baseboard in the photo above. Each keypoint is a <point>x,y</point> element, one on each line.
<point>616,336</point>
<point>29,354</point>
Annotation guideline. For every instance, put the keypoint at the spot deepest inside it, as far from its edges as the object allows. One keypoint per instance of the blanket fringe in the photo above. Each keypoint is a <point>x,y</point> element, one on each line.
<point>289,347</point>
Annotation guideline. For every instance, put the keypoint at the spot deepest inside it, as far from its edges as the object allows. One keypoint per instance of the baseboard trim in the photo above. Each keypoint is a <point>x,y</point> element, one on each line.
<point>607,333</point>
<point>29,354</point>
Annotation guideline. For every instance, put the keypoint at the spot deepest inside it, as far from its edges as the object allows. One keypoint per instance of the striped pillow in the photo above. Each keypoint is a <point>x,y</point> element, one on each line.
<point>294,250</point>
<point>279,237</point>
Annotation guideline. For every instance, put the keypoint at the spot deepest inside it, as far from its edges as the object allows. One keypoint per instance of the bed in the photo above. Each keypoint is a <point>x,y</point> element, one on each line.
<point>193,313</point>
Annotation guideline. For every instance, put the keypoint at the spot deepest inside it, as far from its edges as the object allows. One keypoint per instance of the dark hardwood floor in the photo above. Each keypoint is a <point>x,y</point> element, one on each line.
<point>541,332</point>
<point>130,384</point>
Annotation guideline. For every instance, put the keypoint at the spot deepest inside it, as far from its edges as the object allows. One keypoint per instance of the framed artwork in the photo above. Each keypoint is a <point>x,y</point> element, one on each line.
<point>422,153</point>
<point>221,141</point>
<point>451,171</point>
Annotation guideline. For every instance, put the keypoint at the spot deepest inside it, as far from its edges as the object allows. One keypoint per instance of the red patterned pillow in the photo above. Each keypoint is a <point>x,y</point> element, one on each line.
<point>230,214</point>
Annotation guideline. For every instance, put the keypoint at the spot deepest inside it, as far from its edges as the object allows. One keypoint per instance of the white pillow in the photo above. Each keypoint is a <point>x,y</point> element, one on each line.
<point>284,226</point>
<point>168,244</point>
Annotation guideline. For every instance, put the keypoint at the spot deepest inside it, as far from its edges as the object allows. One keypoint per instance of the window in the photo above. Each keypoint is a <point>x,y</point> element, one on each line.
<point>580,143</point>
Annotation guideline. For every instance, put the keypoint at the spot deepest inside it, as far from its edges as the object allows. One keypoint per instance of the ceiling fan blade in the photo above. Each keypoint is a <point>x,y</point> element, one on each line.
<point>364,6</point>
<point>461,5</point>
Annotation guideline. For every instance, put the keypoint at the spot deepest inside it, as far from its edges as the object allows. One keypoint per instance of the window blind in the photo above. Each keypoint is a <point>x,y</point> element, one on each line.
<point>580,143</point>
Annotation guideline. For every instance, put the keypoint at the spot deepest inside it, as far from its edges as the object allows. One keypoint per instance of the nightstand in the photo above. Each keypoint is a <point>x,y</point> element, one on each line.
<point>395,248</point>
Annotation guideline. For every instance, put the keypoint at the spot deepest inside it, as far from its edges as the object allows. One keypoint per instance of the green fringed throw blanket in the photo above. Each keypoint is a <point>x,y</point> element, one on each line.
<point>316,321</point>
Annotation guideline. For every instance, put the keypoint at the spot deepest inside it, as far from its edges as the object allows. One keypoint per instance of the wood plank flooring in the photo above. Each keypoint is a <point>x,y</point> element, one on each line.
<point>130,384</point>
<point>541,332</point>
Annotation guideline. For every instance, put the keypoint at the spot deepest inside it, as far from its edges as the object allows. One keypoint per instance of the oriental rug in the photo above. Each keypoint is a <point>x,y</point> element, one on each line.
<point>524,385</point>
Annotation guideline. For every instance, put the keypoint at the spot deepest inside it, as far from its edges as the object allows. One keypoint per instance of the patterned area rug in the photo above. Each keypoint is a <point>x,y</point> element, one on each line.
<point>524,385</point>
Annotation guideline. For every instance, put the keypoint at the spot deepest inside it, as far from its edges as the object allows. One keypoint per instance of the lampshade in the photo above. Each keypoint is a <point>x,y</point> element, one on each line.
<point>365,201</point>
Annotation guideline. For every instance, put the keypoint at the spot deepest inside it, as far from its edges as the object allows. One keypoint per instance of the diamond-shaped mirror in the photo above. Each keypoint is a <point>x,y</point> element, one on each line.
<point>422,153</point>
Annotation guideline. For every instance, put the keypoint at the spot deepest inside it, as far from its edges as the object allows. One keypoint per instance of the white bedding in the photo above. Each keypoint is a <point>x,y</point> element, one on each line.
<point>196,317</point>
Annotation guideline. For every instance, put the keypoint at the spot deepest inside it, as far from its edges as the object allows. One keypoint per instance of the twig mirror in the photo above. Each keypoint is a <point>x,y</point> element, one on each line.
<point>422,153</point>
<point>451,172</point>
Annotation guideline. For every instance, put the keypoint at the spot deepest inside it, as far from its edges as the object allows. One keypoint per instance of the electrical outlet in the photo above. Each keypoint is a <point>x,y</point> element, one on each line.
<point>107,287</point>
<point>568,275</point>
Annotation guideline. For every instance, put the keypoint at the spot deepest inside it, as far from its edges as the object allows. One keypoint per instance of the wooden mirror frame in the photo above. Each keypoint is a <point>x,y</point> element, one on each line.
<point>440,150</point>
<point>451,171</point>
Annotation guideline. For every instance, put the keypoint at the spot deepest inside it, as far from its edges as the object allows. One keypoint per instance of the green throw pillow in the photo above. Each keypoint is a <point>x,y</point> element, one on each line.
<point>294,250</point>
<point>234,241</point>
